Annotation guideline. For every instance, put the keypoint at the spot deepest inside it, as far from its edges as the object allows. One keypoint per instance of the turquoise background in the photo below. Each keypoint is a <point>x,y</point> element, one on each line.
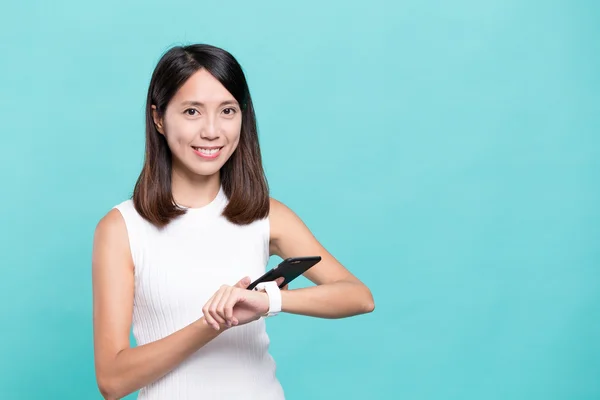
<point>448,153</point>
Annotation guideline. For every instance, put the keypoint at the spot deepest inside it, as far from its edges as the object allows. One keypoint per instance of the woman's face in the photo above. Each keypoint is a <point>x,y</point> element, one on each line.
<point>202,125</point>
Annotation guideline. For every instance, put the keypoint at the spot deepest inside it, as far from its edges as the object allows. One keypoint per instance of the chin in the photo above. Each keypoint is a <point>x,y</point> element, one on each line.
<point>205,171</point>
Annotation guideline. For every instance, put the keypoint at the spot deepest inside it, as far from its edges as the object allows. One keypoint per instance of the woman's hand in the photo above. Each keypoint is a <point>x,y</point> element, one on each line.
<point>236,305</point>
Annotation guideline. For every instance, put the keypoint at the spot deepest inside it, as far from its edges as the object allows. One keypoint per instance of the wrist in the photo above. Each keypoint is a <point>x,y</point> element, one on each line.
<point>284,300</point>
<point>273,293</point>
<point>204,328</point>
<point>264,303</point>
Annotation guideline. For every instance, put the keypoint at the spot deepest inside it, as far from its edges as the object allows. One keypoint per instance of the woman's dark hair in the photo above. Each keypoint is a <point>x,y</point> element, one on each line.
<point>242,176</point>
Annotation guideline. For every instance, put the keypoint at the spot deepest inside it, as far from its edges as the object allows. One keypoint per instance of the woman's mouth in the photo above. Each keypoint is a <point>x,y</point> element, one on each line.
<point>207,152</point>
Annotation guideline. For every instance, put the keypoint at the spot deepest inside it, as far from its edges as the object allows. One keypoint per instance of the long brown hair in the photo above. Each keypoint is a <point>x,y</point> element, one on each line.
<point>242,176</point>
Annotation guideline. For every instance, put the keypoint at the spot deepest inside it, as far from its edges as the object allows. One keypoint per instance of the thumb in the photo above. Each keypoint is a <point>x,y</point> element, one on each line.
<point>243,283</point>
<point>280,281</point>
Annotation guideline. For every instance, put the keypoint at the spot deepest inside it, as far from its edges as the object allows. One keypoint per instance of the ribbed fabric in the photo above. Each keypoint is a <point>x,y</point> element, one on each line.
<point>177,269</point>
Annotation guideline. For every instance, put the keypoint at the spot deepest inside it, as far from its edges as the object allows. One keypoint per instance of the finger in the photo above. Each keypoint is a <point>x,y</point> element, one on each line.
<point>212,308</point>
<point>280,281</point>
<point>243,283</point>
<point>228,305</point>
<point>233,299</point>
<point>221,305</point>
<point>207,317</point>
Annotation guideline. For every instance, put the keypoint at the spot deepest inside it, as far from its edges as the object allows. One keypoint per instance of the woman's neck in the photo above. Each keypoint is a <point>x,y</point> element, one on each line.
<point>194,191</point>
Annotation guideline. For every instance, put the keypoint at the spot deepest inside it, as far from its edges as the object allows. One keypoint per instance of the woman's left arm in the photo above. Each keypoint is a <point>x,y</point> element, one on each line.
<point>338,293</point>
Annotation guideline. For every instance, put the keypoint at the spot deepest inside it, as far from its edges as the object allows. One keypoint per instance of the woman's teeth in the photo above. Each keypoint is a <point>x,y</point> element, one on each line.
<point>208,152</point>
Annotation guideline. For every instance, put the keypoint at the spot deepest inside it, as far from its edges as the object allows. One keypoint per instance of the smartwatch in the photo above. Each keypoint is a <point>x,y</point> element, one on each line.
<point>274,293</point>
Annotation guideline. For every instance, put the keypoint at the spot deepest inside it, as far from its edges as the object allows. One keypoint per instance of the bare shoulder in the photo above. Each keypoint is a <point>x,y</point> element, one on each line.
<point>276,207</point>
<point>111,236</point>
<point>282,218</point>
<point>112,222</point>
<point>111,227</point>
<point>282,213</point>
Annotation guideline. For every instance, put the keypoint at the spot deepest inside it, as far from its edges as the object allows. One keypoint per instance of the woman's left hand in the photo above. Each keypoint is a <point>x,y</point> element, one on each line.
<point>235,305</point>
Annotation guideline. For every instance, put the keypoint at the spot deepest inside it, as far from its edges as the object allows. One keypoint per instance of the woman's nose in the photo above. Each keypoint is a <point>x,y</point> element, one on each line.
<point>210,130</point>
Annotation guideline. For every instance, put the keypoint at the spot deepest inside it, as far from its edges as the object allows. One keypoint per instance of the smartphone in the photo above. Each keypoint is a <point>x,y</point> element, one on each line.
<point>289,269</point>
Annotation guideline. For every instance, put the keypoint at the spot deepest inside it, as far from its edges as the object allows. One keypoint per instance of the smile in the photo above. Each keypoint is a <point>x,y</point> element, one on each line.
<point>207,152</point>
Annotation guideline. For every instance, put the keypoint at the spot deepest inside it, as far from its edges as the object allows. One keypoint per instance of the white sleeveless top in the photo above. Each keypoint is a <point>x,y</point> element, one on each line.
<point>177,270</point>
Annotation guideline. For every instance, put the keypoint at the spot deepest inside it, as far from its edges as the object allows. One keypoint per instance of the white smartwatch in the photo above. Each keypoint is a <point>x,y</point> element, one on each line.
<point>274,293</point>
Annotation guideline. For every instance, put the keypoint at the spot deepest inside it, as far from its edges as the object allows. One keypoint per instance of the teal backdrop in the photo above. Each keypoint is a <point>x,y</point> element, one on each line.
<point>448,153</point>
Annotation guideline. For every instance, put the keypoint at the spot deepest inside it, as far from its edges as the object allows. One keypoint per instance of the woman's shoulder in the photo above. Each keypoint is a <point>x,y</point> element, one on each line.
<point>128,212</point>
<point>276,210</point>
<point>118,220</point>
<point>111,245</point>
<point>281,212</point>
<point>111,231</point>
<point>113,221</point>
<point>282,218</point>
<point>276,207</point>
<point>124,206</point>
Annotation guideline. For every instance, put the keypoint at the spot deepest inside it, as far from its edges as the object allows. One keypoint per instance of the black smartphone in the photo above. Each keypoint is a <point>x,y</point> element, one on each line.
<point>289,269</point>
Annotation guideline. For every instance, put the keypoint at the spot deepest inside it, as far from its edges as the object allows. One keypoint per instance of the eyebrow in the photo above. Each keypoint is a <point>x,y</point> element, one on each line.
<point>200,104</point>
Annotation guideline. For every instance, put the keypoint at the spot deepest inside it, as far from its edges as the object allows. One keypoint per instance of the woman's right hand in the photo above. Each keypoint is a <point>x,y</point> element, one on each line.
<point>235,305</point>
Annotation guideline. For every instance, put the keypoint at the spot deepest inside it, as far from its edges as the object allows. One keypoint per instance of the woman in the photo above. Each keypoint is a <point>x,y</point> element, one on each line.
<point>175,260</point>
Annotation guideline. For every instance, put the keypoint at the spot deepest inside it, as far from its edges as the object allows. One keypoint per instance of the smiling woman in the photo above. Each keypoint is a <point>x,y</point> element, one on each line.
<point>195,96</point>
<point>167,261</point>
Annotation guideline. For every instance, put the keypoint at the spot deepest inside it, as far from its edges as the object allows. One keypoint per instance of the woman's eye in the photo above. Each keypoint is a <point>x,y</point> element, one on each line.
<point>229,111</point>
<point>191,112</point>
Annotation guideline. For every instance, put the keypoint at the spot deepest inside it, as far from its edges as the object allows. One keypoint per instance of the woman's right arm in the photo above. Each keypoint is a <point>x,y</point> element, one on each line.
<point>120,369</point>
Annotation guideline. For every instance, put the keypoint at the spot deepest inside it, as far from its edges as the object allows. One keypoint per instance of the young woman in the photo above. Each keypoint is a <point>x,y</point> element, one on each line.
<point>175,260</point>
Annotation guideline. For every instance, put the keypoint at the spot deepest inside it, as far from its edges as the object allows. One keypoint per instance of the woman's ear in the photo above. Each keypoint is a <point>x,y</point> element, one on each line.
<point>157,121</point>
